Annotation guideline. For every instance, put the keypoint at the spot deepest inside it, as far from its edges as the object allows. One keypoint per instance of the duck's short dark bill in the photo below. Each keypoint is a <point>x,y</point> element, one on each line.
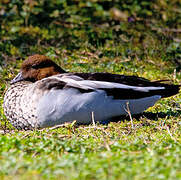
<point>18,78</point>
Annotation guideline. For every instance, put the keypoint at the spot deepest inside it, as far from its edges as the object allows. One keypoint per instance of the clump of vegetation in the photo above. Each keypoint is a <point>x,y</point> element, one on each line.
<point>120,28</point>
<point>127,37</point>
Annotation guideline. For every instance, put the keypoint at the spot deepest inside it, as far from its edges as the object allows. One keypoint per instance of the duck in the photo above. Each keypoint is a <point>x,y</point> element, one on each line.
<point>44,95</point>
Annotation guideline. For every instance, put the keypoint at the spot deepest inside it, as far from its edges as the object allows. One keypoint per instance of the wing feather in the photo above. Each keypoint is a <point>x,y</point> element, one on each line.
<point>114,89</point>
<point>77,82</point>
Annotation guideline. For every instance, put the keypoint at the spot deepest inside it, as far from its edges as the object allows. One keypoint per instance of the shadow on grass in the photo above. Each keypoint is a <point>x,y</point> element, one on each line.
<point>149,115</point>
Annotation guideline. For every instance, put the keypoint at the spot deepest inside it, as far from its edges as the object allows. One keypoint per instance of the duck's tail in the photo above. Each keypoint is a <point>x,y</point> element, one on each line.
<point>169,90</point>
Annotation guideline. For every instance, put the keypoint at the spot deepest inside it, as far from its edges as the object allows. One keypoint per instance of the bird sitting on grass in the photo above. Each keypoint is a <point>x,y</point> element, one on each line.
<point>44,95</point>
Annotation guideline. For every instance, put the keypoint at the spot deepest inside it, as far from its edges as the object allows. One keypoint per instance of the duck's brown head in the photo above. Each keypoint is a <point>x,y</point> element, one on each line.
<point>37,67</point>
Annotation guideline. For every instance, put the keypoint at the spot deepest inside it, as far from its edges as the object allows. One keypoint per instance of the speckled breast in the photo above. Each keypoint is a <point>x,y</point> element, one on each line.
<point>18,107</point>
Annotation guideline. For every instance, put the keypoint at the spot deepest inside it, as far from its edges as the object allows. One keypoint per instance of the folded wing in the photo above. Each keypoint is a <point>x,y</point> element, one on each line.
<point>118,89</point>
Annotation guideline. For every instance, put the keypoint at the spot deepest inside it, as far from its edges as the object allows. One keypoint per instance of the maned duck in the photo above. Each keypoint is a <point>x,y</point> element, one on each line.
<point>44,95</point>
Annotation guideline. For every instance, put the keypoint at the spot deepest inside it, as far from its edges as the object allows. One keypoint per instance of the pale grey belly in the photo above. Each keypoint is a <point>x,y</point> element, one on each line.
<point>59,106</point>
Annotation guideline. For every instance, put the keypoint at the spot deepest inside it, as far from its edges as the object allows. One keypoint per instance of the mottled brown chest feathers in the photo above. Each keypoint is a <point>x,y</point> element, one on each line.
<point>17,107</point>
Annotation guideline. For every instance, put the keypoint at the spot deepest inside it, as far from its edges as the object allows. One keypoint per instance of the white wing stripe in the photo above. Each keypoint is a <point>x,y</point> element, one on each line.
<point>78,82</point>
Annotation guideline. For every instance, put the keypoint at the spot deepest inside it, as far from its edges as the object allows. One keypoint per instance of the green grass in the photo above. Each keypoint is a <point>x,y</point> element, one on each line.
<point>116,151</point>
<point>87,37</point>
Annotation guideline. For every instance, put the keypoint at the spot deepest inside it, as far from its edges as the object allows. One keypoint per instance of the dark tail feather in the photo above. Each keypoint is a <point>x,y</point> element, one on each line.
<point>169,90</point>
<point>160,81</point>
